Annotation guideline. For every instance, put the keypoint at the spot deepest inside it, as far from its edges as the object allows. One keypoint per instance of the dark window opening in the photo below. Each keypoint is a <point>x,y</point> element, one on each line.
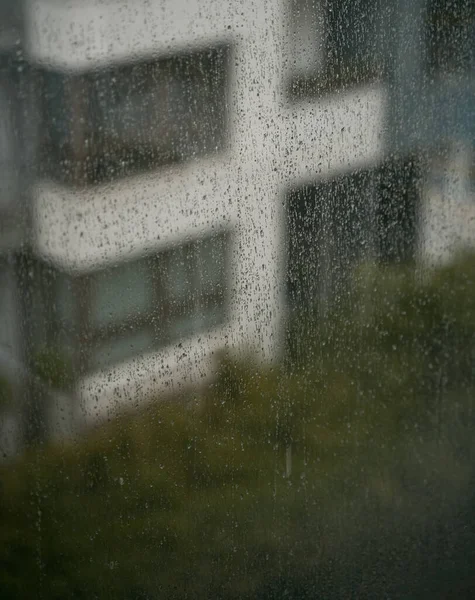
<point>337,44</point>
<point>397,211</point>
<point>335,225</point>
<point>328,232</point>
<point>115,122</point>
<point>450,36</point>
<point>91,321</point>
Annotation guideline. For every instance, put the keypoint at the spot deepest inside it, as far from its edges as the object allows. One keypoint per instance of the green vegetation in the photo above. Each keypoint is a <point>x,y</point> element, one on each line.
<point>53,369</point>
<point>5,392</point>
<point>347,472</point>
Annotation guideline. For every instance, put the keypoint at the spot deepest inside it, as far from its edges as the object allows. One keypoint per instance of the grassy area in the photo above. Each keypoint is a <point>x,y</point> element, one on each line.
<point>346,472</point>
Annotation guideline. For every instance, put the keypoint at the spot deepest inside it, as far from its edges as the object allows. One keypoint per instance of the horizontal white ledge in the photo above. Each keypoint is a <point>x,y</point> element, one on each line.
<point>81,34</point>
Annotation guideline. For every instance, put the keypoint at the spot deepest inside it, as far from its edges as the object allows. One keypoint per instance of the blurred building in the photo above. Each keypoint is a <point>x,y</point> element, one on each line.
<point>413,200</point>
<point>431,111</point>
<point>16,170</point>
<point>206,169</point>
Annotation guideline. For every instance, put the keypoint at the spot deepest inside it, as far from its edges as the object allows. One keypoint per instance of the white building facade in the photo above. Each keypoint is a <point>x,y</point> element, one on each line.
<point>167,226</point>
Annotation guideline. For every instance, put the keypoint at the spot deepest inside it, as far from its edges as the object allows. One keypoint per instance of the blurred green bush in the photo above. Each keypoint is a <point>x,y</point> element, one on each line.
<point>345,472</point>
<point>53,368</point>
<point>6,393</point>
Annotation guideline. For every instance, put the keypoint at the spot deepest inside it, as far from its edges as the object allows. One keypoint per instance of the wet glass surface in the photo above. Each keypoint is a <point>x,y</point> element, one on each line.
<point>237,309</point>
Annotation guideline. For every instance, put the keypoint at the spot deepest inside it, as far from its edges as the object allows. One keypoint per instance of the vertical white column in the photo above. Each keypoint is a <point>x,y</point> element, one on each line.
<point>259,148</point>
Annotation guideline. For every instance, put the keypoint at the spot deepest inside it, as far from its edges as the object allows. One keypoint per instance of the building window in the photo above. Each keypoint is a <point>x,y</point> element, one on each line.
<point>336,224</point>
<point>450,36</point>
<point>336,44</point>
<point>9,336</point>
<point>125,119</point>
<point>328,232</point>
<point>397,210</point>
<point>135,307</point>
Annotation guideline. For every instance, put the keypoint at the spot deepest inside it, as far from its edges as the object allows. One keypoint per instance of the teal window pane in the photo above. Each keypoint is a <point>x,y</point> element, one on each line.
<point>121,293</point>
<point>65,302</point>
<point>184,326</point>
<point>212,316</point>
<point>179,279</point>
<point>122,348</point>
<point>210,263</point>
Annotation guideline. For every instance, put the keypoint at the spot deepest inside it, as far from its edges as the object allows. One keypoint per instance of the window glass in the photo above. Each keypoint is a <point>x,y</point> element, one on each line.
<point>133,117</point>
<point>211,262</point>
<point>471,173</point>
<point>184,324</point>
<point>130,308</point>
<point>397,210</point>
<point>212,314</point>
<point>180,274</point>
<point>450,33</point>
<point>38,300</point>
<point>237,300</point>
<point>447,203</point>
<point>334,226</point>
<point>57,109</point>
<point>121,292</point>
<point>8,149</point>
<point>337,43</point>
<point>196,280</point>
<point>126,345</point>
<point>328,230</point>
<point>64,301</point>
<point>9,336</point>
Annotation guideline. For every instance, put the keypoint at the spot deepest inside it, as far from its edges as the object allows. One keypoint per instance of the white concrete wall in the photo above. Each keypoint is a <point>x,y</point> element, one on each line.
<point>273,145</point>
<point>448,210</point>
